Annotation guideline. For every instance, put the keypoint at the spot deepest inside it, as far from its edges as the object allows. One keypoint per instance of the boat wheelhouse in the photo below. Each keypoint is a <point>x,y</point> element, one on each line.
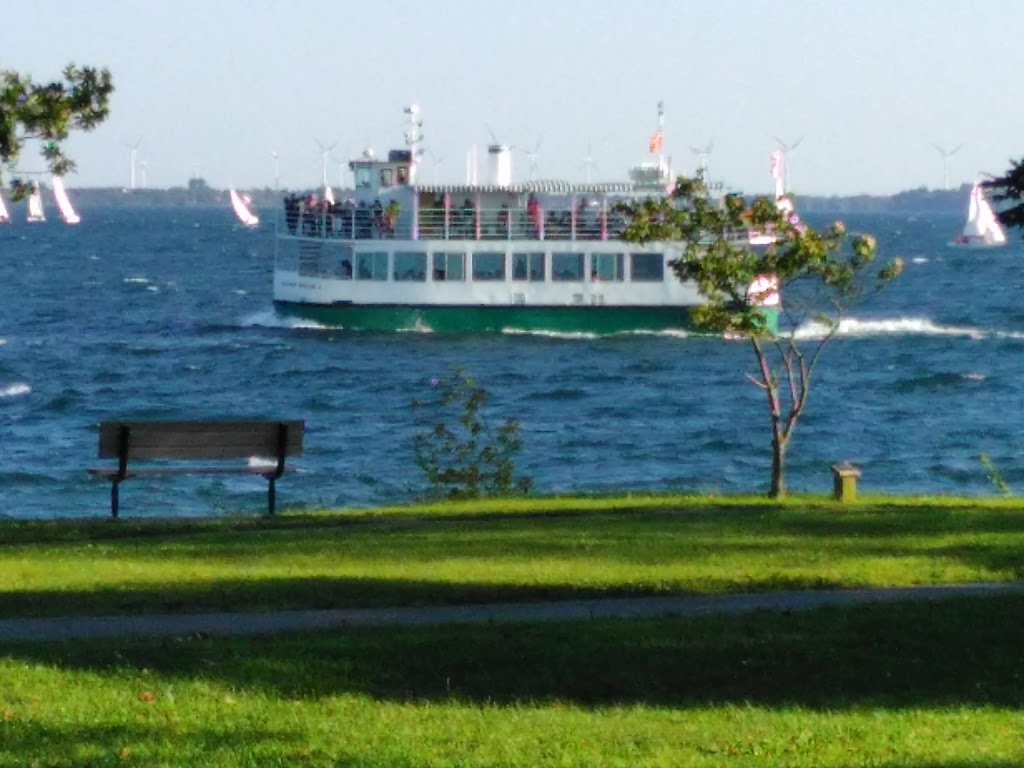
<point>497,256</point>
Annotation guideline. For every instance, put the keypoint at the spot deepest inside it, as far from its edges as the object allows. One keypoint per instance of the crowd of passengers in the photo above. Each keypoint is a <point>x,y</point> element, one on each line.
<point>348,220</point>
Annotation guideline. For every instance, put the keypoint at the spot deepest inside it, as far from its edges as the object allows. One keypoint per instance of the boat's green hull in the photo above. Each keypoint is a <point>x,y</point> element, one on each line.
<point>600,321</point>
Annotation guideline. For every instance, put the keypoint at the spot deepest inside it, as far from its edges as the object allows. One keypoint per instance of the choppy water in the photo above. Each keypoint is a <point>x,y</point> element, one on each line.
<point>166,313</point>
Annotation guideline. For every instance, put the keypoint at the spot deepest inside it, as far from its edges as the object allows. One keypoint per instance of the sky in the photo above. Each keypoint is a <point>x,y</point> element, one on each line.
<point>872,96</point>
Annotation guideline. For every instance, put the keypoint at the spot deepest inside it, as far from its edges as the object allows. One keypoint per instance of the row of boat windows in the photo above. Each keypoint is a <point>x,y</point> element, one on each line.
<point>493,266</point>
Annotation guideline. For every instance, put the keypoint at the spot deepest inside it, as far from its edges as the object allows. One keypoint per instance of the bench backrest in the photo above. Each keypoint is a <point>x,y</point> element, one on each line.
<point>201,439</point>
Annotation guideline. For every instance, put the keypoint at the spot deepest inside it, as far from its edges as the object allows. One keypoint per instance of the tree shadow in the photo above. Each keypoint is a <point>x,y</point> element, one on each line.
<point>957,652</point>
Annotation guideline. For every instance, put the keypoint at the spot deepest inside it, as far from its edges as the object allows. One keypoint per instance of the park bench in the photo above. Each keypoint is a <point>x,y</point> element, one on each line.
<point>176,446</point>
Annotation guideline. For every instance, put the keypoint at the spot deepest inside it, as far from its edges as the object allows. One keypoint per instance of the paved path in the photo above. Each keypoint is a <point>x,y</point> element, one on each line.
<point>163,625</point>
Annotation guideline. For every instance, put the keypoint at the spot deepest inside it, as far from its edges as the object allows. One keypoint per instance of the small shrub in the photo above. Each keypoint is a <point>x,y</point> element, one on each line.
<point>993,474</point>
<point>459,453</point>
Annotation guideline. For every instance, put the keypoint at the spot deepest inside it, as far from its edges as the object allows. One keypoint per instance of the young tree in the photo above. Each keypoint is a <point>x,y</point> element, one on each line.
<point>1010,188</point>
<point>48,112</point>
<point>820,275</point>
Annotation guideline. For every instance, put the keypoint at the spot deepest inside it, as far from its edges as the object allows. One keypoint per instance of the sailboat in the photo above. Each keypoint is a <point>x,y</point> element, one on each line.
<point>35,205</point>
<point>243,210</point>
<point>4,215</point>
<point>783,202</point>
<point>982,229</point>
<point>60,194</point>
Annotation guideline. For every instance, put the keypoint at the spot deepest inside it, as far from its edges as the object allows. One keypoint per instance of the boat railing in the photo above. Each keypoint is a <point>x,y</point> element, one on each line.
<point>441,223</point>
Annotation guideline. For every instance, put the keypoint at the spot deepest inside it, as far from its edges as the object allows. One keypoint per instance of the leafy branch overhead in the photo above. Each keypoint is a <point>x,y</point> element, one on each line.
<point>1009,188</point>
<point>48,112</point>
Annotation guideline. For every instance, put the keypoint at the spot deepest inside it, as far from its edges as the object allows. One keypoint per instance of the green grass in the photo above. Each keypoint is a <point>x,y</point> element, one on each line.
<point>926,685</point>
<point>506,550</point>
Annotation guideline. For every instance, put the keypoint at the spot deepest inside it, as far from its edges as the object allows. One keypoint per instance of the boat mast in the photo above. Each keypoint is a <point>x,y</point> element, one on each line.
<point>661,138</point>
<point>413,139</point>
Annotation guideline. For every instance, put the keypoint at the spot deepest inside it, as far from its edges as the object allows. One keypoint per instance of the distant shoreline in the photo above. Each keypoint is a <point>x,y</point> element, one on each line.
<point>199,194</point>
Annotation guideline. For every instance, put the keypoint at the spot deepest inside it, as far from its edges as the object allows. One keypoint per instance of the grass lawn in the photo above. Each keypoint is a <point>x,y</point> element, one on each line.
<point>519,550</point>
<point>927,685</point>
<point>931,685</point>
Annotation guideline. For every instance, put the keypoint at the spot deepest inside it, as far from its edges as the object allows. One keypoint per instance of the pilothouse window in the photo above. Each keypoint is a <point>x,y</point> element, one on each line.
<point>363,176</point>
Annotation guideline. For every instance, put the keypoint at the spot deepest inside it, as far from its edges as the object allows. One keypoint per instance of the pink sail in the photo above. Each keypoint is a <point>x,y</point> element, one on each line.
<point>242,210</point>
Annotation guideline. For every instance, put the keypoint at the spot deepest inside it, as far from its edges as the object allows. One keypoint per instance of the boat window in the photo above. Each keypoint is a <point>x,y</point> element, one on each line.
<point>386,177</point>
<point>410,266</point>
<point>607,267</point>
<point>488,266</point>
<point>647,267</point>
<point>567,267</point>
<point>346,259</point>
<point>363,176</point>
<point>449,266</point>
<point>403,174</point>
<point>528,266</point>
<point>372,266</point>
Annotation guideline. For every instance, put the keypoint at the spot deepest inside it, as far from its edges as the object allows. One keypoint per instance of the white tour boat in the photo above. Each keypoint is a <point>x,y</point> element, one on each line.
<point>493,256</point>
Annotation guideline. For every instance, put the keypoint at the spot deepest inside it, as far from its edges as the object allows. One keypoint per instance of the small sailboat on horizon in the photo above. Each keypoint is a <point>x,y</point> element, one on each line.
<point>243,209</point>
<point>5,217</point>
<point>35,205</point>
<point>982,229</point>
<point>60,194</point>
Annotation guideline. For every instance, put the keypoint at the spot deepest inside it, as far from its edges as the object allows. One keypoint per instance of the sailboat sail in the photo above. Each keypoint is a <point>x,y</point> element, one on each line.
<point>982,228</point>
<point>35,205</point>
<point>4,215</point>
<point>60,194</point>
<point>242,210</point>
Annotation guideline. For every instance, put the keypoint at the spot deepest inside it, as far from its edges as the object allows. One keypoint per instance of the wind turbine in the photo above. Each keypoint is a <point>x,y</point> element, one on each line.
<point>277,169</point>
<point>531,156</point>
<point>702,159</point>
<point>325,152</point>
<point>144,164</point>
<point>132,149</point>
<point>786,149</point>
<point>946,154</point>
<point>588,163</point>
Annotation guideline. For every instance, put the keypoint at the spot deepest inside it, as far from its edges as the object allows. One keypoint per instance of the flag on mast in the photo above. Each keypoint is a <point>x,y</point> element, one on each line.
<point>655,144</point>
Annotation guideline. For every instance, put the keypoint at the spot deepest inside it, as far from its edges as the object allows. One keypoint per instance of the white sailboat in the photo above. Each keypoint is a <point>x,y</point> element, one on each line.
<point>243,209</point>
<point>4,215</point>
<point>982,229</point>
<point>35,205</point>
<point>60,194</point>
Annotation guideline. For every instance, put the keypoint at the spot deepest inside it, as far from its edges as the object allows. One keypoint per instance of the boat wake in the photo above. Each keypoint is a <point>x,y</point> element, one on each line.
<point>268,318</point>
<point>853,327</point>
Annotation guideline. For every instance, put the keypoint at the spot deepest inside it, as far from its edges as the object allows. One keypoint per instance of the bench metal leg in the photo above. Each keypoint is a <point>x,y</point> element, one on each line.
<point>271,495</point>
<point>114,486</point>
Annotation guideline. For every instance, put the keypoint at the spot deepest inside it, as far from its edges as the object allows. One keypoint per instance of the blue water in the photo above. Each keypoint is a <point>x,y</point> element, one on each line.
<point>167,313</point>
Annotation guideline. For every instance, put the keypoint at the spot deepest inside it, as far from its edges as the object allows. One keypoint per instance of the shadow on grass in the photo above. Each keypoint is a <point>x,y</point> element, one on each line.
<point>323,593</point>
<point>951,653</point>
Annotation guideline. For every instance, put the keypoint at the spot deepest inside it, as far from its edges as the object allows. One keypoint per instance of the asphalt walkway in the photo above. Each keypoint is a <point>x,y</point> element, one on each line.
<point>165,625</point>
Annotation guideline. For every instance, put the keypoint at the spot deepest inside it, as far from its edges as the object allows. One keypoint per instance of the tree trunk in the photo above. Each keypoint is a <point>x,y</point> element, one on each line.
<point>778,489</point>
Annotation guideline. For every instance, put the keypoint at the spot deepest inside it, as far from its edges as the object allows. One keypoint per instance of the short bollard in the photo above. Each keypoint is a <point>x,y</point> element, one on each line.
<point>844,481</point>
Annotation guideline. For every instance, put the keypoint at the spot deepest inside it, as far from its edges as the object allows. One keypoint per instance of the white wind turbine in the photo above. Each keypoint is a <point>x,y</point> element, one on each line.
<point>324,154</point>
<point>531,157</point>
<point>946,154</point>
<point>702,159</point>
<point>786,149</point>
<point>277,170</point>
<point>132,151</point>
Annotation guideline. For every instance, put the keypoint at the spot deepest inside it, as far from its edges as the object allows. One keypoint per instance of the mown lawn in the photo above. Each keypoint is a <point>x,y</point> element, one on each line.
<point>927,685</point>
<point>517,550</point>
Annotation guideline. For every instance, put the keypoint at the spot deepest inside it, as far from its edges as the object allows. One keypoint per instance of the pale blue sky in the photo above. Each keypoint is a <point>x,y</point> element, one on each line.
<point>870,86</point>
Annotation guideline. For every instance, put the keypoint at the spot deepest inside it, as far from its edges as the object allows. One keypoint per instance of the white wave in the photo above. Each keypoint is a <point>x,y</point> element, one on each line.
<point>261,462</point>
<point>920,259</point>
<point>900,326</point>
<point>2,342</point>
<point>549,334</point>
<point>268,318</point>
<point>140,280</point>
<point>15,389</point>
